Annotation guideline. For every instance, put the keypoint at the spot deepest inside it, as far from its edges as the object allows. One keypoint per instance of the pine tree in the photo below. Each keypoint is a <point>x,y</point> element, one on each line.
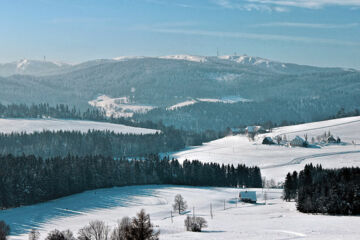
<point>142,228</point>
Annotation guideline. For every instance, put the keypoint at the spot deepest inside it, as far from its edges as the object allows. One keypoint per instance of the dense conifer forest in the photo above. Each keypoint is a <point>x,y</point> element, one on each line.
<point>331,191</point>
<point>51,144</point>
<point>28,180</point>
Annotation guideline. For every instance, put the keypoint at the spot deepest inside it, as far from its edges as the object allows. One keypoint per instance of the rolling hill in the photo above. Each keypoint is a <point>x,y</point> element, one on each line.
<point>276,161</point>
<point>38,125</point>
<point>276,91</point>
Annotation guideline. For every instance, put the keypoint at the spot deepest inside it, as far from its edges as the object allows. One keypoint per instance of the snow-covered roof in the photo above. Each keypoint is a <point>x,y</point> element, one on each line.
<point>298,139</point>
<point>251,195</point>
<point>251,128</point>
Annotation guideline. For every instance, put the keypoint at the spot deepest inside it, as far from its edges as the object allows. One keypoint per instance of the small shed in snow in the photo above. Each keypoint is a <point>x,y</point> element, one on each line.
<point>248,196</point>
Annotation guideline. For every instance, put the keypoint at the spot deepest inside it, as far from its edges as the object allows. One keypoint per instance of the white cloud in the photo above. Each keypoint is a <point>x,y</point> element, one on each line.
<point>306,25</point>
<point>283,5</point>
<point>314,4</point>
<point>257,36</point>
<point>248,6</point>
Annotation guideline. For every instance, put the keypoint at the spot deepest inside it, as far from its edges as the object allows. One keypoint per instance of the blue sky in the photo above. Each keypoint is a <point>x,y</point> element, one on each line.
<point>314,32</point>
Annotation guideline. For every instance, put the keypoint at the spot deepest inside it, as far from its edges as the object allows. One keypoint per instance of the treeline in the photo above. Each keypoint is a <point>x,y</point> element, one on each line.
<point>44,110</point>
<point>63,111</point>
<point>52,144</point>
<point>331,191</point>
<point>28,180</point>
<point>342,113</point>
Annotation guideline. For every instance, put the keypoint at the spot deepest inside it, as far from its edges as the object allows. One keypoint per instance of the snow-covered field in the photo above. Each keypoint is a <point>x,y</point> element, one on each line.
<point>38,125</point>
<point>275,220</point>
<point>119,107</point>
<point>276,161</point>
<point>228,99</point>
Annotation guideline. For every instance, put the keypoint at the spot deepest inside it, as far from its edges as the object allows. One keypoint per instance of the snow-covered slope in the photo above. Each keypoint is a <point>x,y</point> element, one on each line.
<point>276,161</point>
<point>124,58</point>
<point>38,125</point>
<point>229,100</point>
<point>184,57</point>
<point>275,220</point>
<point>118,107</point>
<point>32,67</point>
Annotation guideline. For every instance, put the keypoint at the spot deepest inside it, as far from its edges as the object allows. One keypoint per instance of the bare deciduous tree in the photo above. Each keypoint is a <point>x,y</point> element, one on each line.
<point>96,230</point>
<point>195,224</point>
<point>34,234</point>
<point>55,235</point>
<point>278,139</point>
<point>68,235</point>
<point>123,230</point>
<point>180,204</point>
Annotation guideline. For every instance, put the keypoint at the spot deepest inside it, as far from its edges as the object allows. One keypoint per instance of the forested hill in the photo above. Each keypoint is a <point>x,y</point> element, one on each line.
<point>295,92</point>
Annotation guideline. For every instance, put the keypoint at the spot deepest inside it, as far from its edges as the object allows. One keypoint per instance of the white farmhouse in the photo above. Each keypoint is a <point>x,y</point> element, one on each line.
<point>298,142</point>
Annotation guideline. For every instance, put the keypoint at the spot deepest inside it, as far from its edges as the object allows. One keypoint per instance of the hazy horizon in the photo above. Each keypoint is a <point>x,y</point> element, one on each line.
<point>142,56</point>
<point>319,33</point>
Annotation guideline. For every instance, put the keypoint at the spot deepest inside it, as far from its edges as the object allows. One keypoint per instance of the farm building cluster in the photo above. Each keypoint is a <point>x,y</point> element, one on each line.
<point>252,131</point>
<point>326,138</point>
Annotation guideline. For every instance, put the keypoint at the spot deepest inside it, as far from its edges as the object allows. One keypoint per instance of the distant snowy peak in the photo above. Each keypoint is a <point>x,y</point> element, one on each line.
<point>125,58</point>
<point>249,60</point>
<point>32,67</point>
<point>242,59</point>
<point>23,64</point>
<point>190,58</point>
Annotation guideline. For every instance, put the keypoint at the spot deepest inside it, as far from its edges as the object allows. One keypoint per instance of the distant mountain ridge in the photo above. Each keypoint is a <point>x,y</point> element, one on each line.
<point>41,68</point>
<point>278,91</point>
<point>31,67</point>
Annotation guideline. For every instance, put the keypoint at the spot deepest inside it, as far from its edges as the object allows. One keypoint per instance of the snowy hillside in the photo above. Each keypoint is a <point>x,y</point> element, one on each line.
<point>229,100</point>
<point>275,220</point>
<point>118,107</point>
<point>38,125</point>
<point>186,58</point>
<point>31,67</point>
<point>276,161</point>
<point>291,93</point>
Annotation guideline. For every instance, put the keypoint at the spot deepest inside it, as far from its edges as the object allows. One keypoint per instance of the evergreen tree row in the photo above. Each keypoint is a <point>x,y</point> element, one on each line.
<point>63,111</point>
<point>95,142</point>
<point>45,110</point>
<point>331,191</point>
<point>28,180</point>
<point>52,144</point>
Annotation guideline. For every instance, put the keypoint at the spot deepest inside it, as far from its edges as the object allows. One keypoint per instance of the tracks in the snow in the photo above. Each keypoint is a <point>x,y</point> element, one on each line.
<point>299,160</point>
